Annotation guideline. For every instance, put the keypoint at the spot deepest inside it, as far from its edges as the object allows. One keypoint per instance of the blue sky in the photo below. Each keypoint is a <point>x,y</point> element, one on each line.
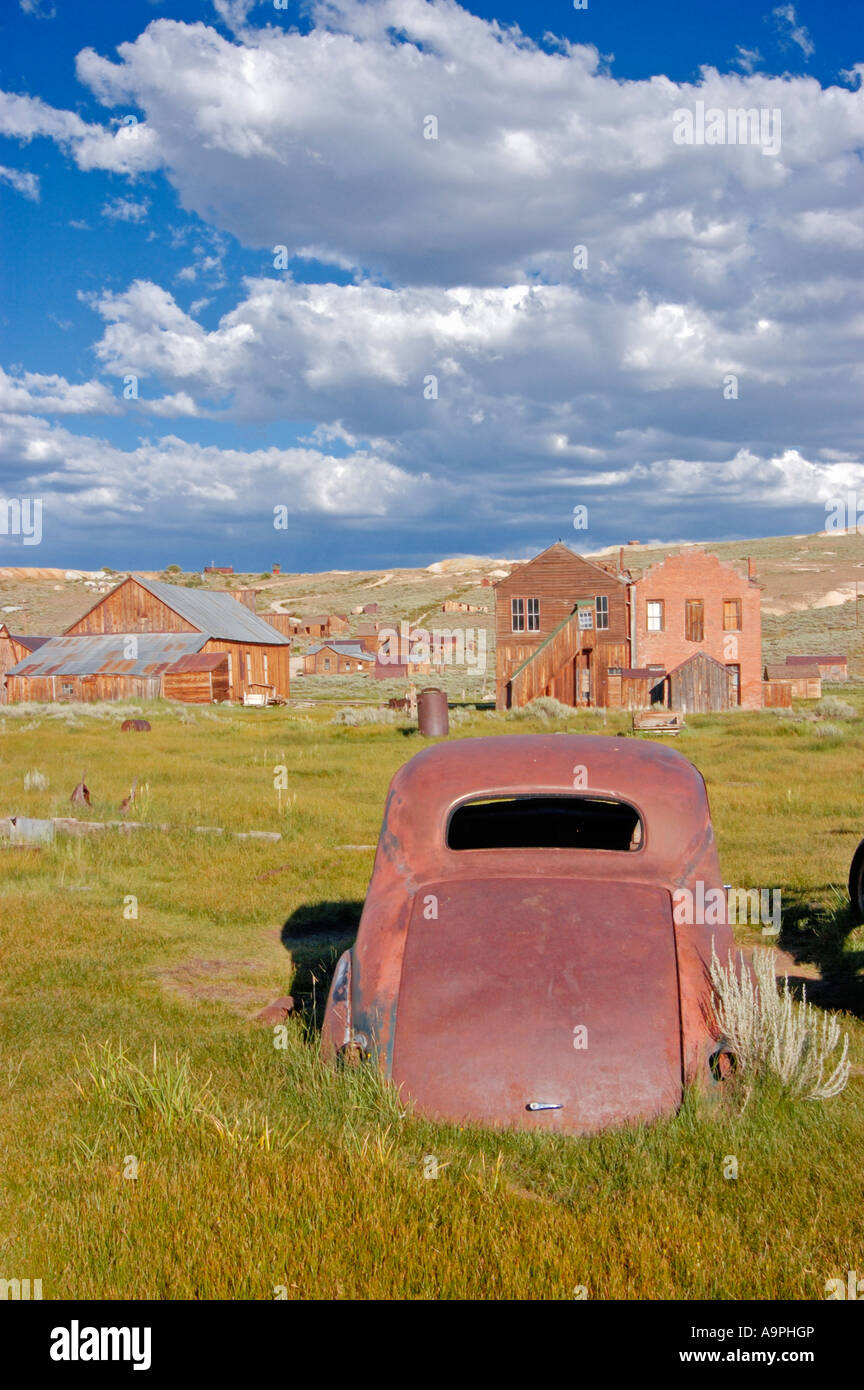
<point>424,370</point>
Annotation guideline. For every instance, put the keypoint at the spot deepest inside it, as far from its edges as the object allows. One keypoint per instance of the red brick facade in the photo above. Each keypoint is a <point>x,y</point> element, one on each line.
<point>707,605</point>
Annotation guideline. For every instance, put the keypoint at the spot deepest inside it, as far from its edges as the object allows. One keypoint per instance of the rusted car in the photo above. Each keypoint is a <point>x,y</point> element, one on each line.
<point>518,963</point>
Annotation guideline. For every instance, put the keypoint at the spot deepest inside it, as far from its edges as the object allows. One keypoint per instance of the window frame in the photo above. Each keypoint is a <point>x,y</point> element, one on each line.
<point>601,612</point>
<point>694,604</point>
<point>739,623</point>
<point>655,603</point>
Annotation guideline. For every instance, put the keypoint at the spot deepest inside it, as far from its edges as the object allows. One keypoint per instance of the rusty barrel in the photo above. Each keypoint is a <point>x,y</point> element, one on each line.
<point>432,717</point>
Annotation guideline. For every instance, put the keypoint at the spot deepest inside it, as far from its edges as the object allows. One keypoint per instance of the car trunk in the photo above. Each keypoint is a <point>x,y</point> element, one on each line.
<point>540,992</point>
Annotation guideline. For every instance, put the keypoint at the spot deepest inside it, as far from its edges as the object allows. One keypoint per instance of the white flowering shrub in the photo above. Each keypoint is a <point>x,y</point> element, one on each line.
<point>773,1033</point>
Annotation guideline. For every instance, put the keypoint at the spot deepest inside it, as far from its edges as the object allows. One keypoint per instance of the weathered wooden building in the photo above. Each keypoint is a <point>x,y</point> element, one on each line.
<point>100,667</point>
<point>258,655</point>
<point>561,622</point>
<point>338,659</point>
<point>198,679</point>
<point>323,625</point>
<point>831,668</point>
<point>635,687</point>
<point>805,682</point>
<point>14,647</point>
<point>699,685</point>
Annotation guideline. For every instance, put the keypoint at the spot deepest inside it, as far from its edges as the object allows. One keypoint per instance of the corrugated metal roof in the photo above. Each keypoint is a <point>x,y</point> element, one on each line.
<point>219,615</point>
<point>25,640</point>
<point>109,655</point>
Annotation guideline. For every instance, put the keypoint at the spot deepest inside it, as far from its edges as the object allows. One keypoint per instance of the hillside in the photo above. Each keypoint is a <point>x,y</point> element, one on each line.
<point>809,585</point>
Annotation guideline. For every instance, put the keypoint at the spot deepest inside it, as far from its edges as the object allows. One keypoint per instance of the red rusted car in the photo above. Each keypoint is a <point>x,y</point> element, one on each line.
<point>518,963</point>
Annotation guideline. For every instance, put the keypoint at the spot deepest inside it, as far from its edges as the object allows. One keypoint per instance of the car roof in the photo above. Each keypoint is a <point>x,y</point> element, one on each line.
<point>667,790</point>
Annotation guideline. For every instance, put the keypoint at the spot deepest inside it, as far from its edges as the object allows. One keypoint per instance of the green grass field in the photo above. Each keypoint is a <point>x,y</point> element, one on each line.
<point>262,1174</point>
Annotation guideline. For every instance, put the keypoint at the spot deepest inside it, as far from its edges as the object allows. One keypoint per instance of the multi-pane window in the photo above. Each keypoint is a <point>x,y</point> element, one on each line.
<point>586,618</point>
<point>655,615</point>
<point>694,620</point>
<point>525,614</point>
<point>601,604</point>
<point>731,615</point>
<point>735,673</point>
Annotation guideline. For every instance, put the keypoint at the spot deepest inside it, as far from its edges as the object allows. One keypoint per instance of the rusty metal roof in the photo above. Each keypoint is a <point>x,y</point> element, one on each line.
<point>25,640</point>
<point>815,661</point>
<point>219,615</point>
<point>198,661</point>
<point>107,655</point>
<point>776,671</point>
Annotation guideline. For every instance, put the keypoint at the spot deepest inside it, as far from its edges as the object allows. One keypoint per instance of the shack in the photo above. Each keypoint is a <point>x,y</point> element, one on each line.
<point>699,686</point>
<point>805,681</point>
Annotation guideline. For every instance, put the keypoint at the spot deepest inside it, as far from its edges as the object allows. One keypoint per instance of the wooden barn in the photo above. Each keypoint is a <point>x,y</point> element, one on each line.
<point>116,667</point>
<point>561,622</point>
<point>338,659</point>
<point>14,647</point>
<point>258,655</point>
<point>805,682</point>
<point>831,668</point>
<point>699,685</point>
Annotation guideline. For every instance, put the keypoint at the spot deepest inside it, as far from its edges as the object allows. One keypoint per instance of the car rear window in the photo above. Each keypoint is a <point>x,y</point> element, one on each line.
<point>545,822</point>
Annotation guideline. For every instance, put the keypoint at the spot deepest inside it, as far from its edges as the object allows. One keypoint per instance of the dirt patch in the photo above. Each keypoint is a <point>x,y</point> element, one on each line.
<point>209,981</point>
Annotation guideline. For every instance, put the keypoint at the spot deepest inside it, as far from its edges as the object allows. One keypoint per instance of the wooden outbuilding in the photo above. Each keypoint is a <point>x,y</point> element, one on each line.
<point>14,647</point>
<point>699,685</point>
<point>805,682</point>
<point>198,679</point>
<point>831,668</point>
<point>634,687</point>
<point>100,667</point>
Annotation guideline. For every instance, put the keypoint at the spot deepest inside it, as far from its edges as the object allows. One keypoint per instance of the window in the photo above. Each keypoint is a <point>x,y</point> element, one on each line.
<point>694,622</point>
<point>601,603</point>
<point>735,673</point>
<point>67,688</point>
<point>586,618</point>
<point>326,663</point>
<point>517,609</point>
<point>265,668</point>
<point>248,668</point>
<point>731,615</point>
<point>654,617</point>
<point>545,822</point>
<point>533,614</point>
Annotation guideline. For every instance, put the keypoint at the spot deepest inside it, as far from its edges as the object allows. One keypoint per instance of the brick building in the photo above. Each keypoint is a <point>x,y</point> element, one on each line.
<point>693,602</point>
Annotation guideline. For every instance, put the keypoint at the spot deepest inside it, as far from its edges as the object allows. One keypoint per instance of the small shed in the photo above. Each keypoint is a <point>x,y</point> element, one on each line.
<point>699,685</point>
<point>14,647</point>
<point>832,667</point>
<point>198,679</point>
<point>634,687</point>
<point>777,694</point>
<point>805,682</point>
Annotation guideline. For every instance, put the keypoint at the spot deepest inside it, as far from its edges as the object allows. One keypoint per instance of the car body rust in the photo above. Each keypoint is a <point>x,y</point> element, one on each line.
<point>535,986</point>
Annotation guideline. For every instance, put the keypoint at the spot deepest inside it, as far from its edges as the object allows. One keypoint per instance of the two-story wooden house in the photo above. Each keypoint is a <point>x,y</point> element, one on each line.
<point>561,622</point>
